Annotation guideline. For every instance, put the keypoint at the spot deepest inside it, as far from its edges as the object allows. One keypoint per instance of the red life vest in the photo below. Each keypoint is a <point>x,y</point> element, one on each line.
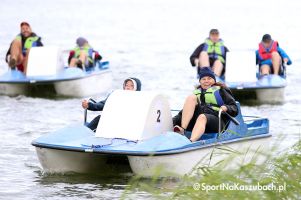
<point>266,53</point>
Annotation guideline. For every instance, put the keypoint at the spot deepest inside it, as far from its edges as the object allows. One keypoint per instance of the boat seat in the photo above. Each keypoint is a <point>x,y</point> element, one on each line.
<point>241,66</point>
<point>134,115</point>
<point>44,61</point>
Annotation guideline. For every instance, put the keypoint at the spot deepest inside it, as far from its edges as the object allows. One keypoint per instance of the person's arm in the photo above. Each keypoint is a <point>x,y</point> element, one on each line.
<point>8,53</point>
<point>257,57</point>
<point>226,49</point>
<point>97,106</point>
<point>229,102</point>
<point>225,56</point>
<point>284,55</point>
<point>196,54</point>
<point>39,42</point>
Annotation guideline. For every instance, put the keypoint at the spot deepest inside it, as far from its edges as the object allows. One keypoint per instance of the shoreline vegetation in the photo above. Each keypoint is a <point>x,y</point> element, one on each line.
<point>277,178</point>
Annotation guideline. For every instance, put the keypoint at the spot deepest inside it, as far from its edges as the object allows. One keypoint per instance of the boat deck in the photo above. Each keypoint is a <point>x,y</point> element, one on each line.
<point>80,138</point>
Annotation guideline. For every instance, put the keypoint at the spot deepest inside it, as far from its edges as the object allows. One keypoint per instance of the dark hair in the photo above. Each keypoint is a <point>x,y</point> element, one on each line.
<point>222,85</point>
<point>266,38</point>
<point>24,23</point>
<point>214,31</point>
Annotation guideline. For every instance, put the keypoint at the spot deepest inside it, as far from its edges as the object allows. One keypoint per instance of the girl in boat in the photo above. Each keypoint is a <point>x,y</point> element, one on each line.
<point>128,84</point>
<point>200,110</point>
<point>83,55</point>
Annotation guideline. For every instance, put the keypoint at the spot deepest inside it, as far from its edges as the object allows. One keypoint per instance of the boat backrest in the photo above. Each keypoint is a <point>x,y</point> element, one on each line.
<point>134,115</point>
<point>44,61</point>
<point>241,66</point>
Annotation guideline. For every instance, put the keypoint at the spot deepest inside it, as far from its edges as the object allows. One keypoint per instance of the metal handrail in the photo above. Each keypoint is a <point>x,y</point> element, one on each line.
<point>86,110</point>
<point>220,121</point>
<point>235,121</point>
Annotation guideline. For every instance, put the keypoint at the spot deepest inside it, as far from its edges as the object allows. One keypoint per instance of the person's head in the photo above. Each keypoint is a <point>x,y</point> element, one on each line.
<point>214,35</point>
<point>266,40</point>
<point>25,29</point>
<point>206,77</point>
<point>81,41</point>
<point>132,84</point>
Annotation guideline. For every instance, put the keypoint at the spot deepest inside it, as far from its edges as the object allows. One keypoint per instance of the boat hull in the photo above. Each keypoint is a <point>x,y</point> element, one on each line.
<point>267,89</point>
<point>91,85</point>
<point>13,89</point>
<point>72,82</point>
<point>184,163</point>
<point>260,95</point>
<point>61,161</point>
<point>271,95</point>
<point>175,164</point>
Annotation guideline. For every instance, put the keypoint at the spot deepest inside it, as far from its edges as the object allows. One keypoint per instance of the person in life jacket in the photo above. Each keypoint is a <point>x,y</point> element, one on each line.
<point>17,54</point>
<point>211,53</point>
<point>83,55</point>
<point>270,56</point>
<point>128,84</point>
<point>200,110</point>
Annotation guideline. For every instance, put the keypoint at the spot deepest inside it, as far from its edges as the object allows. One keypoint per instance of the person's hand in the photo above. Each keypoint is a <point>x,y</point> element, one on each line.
<point>285,60</point>
<point>224,108</point>
<point>196,62</point>
<point>85,104</point>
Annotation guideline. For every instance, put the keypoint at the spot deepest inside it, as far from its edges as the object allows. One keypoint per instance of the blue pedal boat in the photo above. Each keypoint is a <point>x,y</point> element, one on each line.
<point>243,78</point>
<point>76,148</point>
<point>266,89</point>
<point>53,79</point>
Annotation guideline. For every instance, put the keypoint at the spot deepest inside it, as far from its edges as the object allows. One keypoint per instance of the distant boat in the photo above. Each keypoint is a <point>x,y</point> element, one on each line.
<point>137,137</point>
<point>242,77</point>
<point>46,75</point>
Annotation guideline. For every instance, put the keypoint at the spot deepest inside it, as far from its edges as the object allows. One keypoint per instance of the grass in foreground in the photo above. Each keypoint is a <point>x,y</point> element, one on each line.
<point>278,178</point>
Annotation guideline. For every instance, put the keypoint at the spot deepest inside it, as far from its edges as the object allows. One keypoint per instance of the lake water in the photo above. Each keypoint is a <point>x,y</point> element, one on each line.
<point>149,39</point>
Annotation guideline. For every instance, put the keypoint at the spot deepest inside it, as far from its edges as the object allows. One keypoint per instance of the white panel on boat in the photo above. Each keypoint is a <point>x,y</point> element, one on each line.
<point>241,66</point>
<point>134,115</point>
<point>44,61</point>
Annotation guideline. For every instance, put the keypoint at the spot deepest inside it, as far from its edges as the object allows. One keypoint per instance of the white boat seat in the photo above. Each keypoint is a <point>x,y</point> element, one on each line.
<point>44,61</point>
<point>241,66</point>
<point>134,115</point>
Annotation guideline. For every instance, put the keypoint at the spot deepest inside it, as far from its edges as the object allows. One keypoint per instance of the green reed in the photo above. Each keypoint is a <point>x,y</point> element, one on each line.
<point>277,178</point>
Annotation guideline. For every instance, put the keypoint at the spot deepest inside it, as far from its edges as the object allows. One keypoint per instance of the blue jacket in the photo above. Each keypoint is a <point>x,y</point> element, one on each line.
<point>97,106</point>
<point>282,53</point>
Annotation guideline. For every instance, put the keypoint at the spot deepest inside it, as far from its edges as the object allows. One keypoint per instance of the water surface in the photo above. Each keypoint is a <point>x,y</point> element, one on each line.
<point>149,39</point>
